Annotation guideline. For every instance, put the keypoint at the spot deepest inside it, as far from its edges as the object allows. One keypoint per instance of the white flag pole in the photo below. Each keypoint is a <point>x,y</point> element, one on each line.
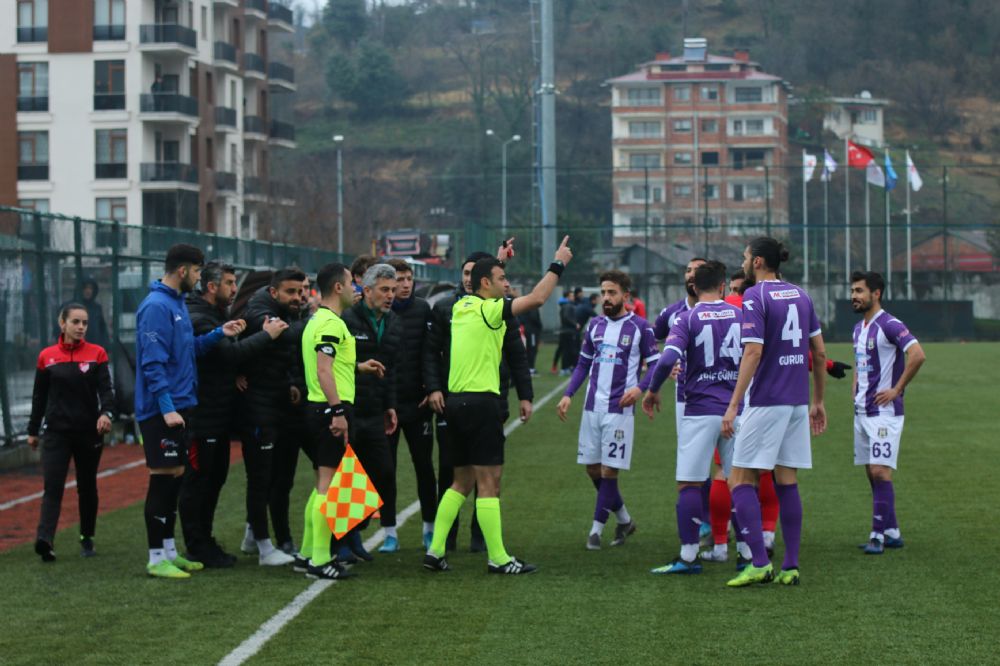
<point>888,232</point>
<point>868,226</point>
<point>805,225</point>
<point>909,236</point>
<point>847,219</point>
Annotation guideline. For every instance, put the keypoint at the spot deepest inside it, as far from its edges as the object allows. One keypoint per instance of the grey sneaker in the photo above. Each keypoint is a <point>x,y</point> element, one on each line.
<point>622,532</point>
<point>594,542</point>
<point>249,545</point>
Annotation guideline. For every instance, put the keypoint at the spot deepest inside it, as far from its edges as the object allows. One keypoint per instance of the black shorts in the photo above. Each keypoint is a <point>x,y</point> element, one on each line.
<point>327,449</point>
<point>163,446</point>
<point>475,426</point>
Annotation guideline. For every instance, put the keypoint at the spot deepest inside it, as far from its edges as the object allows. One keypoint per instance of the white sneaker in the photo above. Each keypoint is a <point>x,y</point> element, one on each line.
<point>712,556</point>
<point>275,558</point>
<point>249,546</point>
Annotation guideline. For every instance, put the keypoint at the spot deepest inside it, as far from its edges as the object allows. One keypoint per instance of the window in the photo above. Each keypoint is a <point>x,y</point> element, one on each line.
<point>644,160</point>
<point>109,20</point>
<point>204,22</point>
<point>835,115</point>
<point>32,155</point>
<point>747,191</point>
<point>740,225</point>
<point>754,126</point>
<point>710,223</point>
<point>32,20</point>
<point>682,158</point>
<point>644,129</point>
<point>710,158</point>
<point>709,126</point>
<point>710,191</point>
<point>709,93</point>
<point>111,210</point>
<point>639,194</point>
<point>27,222</point>
<point>682,126</point>
<point>745,95</point>
<point>109,85</point>
<point>869,116</point>
<point>682,93</point>
<point>112,154</point>
<point>637,223</point>
<point>643,97</point>
<point>747,158</point>
<point>683,191</point>
<point>32,86</point>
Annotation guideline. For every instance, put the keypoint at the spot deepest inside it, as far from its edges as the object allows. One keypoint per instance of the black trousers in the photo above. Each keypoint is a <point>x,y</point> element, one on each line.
<point>531,341</point>
<point>205,473</point>
<point>417,426</point>
<point>292,437</point>
<point>57,450</point>
<point>258,460</point>
<point>370,443</point>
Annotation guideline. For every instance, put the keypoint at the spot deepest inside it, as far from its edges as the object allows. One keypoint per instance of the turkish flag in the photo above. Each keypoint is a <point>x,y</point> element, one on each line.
<point>858,156</point>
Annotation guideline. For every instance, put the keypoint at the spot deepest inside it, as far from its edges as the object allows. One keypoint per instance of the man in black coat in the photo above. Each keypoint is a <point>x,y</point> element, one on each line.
<point>270,389</point>
<point>378,334</point>
<point>211,420</point>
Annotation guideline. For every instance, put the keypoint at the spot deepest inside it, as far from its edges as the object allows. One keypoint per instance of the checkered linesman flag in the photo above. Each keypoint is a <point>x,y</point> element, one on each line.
<point>351,497</point>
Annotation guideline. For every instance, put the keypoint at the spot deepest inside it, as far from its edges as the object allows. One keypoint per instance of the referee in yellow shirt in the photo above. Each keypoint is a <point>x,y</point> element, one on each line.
<point>473,411</point>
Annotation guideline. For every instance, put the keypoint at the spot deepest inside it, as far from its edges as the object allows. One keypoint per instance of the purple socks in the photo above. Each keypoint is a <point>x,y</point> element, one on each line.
<point>791,522</point>
<point>747,508</point>
<point>688,514</point>
<point>883,506</point>
<point>608,499</point>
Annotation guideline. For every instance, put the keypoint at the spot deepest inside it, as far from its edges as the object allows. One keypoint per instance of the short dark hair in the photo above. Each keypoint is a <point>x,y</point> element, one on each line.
<point>329,275</point>
<point>874,281</point>
<point>772,251</point>
<point>477,256</point>
<point>738,275</point>
<point>400,264</point>
<point>709,276</point>
<point>180,254</point>
<point>213,272</point>
<point>484,269</point>
<point>619,278</point>
<point>362,264</point>
<point>578,291</point>
<point>285,274</point>
<point>693,259</point>
<point>65,310</point>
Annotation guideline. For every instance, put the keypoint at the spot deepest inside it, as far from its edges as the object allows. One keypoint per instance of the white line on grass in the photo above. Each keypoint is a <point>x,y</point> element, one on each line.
<point>72,484</point>
<point>267,631</point>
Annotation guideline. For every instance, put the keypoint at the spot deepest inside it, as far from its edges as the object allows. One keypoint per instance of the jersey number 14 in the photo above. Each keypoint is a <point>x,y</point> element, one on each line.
<point>730,347</point>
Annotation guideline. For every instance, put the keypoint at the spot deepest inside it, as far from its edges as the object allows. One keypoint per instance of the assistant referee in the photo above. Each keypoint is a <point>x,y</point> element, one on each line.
<point>478,325</point>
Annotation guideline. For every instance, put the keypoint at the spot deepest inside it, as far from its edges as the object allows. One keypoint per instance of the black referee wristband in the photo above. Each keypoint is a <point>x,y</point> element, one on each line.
<point>557,267</point>
<point>336,410</point>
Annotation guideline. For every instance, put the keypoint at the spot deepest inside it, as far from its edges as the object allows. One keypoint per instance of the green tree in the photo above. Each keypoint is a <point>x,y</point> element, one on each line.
<point>345,20</point>
<point>378,87</point>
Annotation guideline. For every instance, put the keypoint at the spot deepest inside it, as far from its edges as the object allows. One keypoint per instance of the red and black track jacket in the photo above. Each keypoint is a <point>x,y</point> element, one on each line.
<point>72,388</point>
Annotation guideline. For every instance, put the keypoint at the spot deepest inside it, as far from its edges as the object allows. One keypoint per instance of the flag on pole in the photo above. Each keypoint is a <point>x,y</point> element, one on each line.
<point>808,166</point>
<point>351,497</point>
<point>829,166</point>
<point>916,182</point>
<point>890,173</point>
<point>874,175</point>
<point>858,157</point>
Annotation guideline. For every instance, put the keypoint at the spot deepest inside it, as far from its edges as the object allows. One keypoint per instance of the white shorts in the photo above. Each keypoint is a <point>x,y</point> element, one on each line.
<point>773,435</point>
<point>698,439</point>
<point>876,439</point>
<point>678,415</point>
<point>606,439</point>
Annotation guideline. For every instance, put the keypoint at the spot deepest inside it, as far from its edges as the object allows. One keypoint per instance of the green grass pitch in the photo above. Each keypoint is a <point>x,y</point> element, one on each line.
<point>933,601</point>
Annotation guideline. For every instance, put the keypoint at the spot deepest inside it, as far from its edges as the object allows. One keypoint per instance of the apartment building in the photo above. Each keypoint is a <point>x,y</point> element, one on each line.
<point>860,118</point>
<point>152,112</point>
<point>699,145</point>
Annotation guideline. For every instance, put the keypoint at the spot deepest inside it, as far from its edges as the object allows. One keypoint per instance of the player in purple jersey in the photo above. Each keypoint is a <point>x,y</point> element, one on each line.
<point>708,336</point>
<point>780,328</point>
<point>881,374</point>
<point>614,348</point>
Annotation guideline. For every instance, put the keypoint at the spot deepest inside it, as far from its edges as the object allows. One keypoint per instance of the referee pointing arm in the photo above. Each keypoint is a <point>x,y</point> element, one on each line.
<point>478,325</point>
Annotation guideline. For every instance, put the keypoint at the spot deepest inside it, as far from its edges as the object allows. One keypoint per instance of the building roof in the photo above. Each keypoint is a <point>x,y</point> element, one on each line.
<point>749,70</point>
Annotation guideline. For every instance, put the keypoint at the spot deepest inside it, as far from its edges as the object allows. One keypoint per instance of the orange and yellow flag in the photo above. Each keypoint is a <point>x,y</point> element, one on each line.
<point>351,497</point>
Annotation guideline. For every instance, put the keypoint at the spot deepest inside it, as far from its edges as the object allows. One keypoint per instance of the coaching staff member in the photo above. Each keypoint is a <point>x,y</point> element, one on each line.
<point>477,329</point>
<point>212,419</point>
<point>166,389</point>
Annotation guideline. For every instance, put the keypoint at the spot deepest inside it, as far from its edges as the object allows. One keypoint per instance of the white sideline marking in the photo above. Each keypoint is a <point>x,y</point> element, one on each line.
<point>267,631</point>
<point>72,484</point>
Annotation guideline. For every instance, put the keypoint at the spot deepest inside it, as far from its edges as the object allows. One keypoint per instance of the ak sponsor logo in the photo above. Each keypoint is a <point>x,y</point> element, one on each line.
<point>784,294</point>
<point>712,315</point>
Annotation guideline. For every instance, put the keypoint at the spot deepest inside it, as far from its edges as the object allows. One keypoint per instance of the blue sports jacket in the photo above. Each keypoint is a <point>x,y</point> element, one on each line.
<point>166,378</point>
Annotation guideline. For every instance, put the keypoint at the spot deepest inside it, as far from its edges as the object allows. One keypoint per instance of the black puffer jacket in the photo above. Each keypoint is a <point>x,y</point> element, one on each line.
<point>414,315</point>
<point>372,396</point>
<point>437,353</point>
<point>270,373</point>
<point>218,368</point>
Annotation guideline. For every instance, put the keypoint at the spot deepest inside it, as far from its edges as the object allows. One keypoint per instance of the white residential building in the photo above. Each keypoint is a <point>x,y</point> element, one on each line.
<point>860,118</point>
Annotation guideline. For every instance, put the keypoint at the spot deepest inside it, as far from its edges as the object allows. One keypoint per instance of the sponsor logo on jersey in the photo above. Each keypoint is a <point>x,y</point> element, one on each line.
<point>748,304</point>
<point>83,367</point>
<point>784,294</point>
<point>792,359</point>
<point>716,314</point>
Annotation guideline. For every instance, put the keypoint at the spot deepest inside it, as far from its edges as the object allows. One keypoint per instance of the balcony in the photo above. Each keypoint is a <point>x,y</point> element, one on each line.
<point>168,107</point>
<point>225,119</point>
<point>279,17</point>
<point>109,33</point>
<point>254,188</point>
<point>168,172</point>
<point>32,103</point>
<point>225,181</point>
<point>235,4</point>
<point>111,170</point>
<point>33,34</point>
<point>254,128</point>
<point>33,172</point>
<point>109,101</point>
<point>282,134</point>
<point>225,55</point>
<point>255,9</point>
<point>281,191</point>
<point>168,37</point>
<point>253,66</point>
<point>281,75</point>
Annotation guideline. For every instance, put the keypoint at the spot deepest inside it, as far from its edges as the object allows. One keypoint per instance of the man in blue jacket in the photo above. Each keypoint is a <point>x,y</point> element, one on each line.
<point>166,387</point>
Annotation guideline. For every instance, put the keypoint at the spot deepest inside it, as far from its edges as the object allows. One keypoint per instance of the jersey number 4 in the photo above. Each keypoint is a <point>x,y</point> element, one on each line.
<point>730,347</point>
<point>791,330</point>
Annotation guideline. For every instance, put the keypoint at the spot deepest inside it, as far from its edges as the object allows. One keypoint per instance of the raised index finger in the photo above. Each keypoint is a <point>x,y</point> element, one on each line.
<point>565,241</point>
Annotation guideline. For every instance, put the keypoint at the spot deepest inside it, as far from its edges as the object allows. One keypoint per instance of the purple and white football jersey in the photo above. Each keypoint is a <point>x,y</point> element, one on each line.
<point>661,329</point>
<point>612,354</point>
<point>879,353</point>
<point>780,316</point>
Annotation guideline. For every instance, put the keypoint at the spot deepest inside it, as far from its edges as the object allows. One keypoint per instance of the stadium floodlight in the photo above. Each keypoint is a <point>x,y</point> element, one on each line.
<point>503,178</point>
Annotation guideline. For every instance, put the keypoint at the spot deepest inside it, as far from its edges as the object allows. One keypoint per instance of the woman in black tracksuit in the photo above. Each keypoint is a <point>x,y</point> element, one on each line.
<point>73,393</point>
